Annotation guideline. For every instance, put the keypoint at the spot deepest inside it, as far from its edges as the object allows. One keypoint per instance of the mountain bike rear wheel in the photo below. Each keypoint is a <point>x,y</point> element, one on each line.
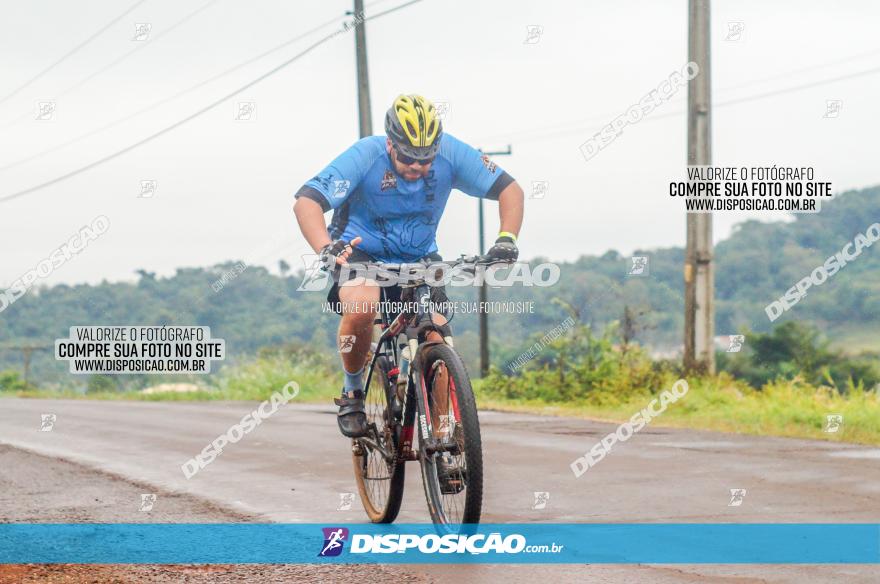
<point>379,481</point>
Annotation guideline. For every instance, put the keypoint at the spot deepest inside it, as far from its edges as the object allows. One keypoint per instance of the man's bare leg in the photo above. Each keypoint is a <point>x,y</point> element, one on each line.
<point>358,298</point>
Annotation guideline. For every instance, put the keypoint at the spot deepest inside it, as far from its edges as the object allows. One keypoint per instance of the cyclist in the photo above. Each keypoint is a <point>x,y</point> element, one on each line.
<point>387,194</point>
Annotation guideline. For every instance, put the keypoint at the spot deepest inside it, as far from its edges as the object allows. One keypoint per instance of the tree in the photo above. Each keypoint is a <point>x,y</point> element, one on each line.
<point>10,381</point>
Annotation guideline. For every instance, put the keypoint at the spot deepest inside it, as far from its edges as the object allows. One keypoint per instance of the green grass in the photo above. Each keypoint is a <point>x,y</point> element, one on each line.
<point>253,380</point>
<point>784,408</point>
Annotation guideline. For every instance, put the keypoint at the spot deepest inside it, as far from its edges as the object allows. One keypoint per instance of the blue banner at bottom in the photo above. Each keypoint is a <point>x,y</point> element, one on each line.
<point>530,543</point>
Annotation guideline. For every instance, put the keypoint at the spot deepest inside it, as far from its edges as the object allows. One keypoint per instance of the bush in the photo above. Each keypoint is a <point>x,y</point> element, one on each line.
<point>103,384</point>
<point>257,378</point>
<point>10,381</point>
<point>796,349</point>
<point>579,367</point>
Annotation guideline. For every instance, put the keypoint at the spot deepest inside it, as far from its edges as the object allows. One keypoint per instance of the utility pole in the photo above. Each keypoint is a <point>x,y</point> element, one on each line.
<point>363,79</point>
<point>484,290</point>
<point>699,317</point>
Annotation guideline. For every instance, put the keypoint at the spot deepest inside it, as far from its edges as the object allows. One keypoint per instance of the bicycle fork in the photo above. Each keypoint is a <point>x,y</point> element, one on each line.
<point>426,427</point>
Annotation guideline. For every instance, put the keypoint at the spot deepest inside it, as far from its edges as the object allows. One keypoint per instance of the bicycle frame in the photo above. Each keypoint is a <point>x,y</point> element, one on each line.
<point>416,400</point>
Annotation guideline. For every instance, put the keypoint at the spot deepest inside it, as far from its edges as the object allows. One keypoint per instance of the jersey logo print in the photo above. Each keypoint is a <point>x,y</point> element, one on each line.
<point>324,181</point>
<point>389,181</point>
<point>382,225</point>
<point>417,233</point>
<point>489,164</point>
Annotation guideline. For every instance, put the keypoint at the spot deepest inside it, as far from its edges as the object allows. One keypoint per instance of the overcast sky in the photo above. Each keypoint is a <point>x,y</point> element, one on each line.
<point>224,187</point>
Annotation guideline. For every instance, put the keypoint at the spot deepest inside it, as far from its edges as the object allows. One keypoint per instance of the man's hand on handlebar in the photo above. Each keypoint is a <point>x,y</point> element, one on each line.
<point>337,252</point>
<point>504,250</point>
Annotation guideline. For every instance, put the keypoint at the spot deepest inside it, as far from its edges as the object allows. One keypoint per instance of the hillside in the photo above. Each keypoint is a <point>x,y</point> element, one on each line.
<point>256,308</point>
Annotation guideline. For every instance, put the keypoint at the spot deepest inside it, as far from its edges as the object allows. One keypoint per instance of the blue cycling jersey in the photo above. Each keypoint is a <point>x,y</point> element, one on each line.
<point>396,218</point>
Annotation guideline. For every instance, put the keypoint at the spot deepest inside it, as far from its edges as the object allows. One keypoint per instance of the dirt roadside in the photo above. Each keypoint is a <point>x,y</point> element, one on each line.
<point>39,489</point>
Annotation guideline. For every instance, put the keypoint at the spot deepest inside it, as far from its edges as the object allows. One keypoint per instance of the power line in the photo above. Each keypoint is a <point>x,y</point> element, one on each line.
<point>565,127</point>
<point>799,87</point>
<point>140,46</point>
<point>778,76</point>
<point>183,92</point>
<point>608,117</point>
<point>161,102</point>
<point>72,51</point>
<point>199,112</point>
<point>169,128</point>
<point>390,10</point>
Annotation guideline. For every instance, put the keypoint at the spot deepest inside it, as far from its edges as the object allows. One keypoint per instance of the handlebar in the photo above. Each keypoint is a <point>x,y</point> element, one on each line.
<point>468,264</point>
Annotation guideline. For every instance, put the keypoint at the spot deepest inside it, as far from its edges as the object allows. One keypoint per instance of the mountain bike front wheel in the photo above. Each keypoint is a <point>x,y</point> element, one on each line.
<point>452,459</point>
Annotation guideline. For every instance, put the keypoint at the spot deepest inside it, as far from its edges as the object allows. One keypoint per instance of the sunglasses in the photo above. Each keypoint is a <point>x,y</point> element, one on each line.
<point>404,159</point>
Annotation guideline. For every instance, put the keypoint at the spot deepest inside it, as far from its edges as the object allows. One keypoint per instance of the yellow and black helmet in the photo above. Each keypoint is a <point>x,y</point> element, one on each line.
<point>413,126</point>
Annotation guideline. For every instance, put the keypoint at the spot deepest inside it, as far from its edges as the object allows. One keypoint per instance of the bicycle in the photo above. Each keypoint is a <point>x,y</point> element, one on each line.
<point>422,380</point>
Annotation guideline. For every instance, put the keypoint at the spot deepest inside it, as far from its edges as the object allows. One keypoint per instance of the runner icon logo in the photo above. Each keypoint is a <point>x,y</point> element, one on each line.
<point>334,541</point>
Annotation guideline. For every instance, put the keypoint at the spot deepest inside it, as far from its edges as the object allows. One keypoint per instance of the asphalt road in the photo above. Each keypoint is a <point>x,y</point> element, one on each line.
<point>295,466</point>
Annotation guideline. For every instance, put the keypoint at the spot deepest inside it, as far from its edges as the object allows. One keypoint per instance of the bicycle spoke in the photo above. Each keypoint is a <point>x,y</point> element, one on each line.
<point>376,470</point>
<point>448,427</point>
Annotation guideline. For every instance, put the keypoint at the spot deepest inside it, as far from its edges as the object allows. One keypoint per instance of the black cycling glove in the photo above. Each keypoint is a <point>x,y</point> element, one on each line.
<point>331,251</point>
<point>504,249</point>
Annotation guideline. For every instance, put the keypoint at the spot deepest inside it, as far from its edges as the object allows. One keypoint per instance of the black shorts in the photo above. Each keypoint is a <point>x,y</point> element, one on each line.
<point>391,294</point>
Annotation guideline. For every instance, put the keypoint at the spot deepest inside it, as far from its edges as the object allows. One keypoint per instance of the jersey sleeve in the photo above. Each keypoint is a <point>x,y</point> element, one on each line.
<point>473,172</point>
<point>333,185</point>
